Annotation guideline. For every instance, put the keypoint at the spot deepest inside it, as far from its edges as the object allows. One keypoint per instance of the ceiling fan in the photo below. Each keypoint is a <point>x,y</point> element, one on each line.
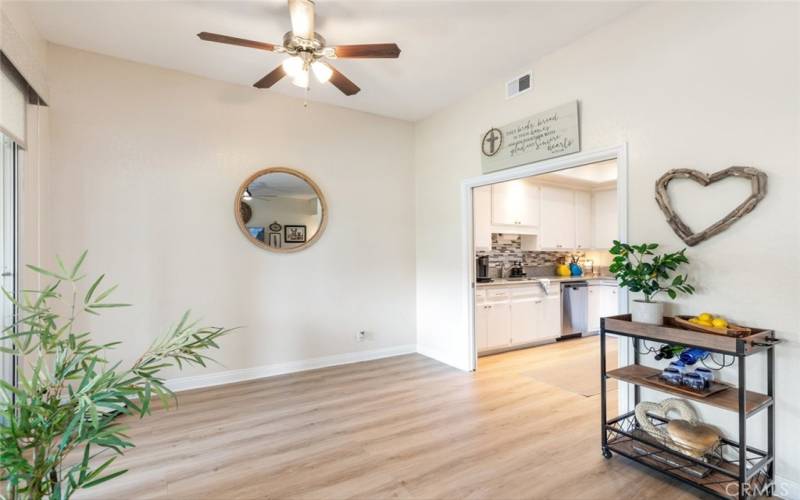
<point>307,50</point>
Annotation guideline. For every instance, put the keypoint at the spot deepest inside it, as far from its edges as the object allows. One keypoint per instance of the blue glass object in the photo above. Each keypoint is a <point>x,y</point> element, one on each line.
<point>693,355</point>
<point>695,381</point>
<point>707,374</point>
<point>575,269</point>
<point>678,365</point>
<point>672,376</point>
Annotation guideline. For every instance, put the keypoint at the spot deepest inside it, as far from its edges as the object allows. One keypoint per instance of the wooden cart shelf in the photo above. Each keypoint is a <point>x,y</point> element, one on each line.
<point>670,333</point>
<point>727,399</point>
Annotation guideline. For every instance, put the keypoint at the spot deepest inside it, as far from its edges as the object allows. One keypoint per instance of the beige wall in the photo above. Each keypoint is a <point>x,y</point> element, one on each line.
<point>145,165</point>
<point>702,85</point>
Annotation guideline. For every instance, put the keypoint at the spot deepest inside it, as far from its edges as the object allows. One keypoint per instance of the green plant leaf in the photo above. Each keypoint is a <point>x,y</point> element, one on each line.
<point>90,292</point>
<point>78,264</point>
<point>105,478</point>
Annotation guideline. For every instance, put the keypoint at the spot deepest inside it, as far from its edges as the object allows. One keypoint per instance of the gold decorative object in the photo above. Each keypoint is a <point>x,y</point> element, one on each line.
<point>686,434</point>
<point>695,439</point>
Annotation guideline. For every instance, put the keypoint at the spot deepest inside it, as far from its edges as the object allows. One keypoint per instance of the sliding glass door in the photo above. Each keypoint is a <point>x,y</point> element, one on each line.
<point>11,158</point>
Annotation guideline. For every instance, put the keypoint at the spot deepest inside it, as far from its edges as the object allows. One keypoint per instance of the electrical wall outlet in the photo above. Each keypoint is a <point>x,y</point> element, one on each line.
<point>361,336</point>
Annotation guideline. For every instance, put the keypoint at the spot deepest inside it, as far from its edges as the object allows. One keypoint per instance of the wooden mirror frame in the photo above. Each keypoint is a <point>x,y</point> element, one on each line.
<point>263,244</point>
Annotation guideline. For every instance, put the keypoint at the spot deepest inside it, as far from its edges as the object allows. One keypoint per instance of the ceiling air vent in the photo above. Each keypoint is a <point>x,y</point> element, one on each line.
<point>519,85</point>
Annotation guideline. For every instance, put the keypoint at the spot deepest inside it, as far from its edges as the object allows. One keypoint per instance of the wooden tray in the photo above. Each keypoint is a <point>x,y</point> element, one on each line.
<point>714,388</point>
<point>731,331</point>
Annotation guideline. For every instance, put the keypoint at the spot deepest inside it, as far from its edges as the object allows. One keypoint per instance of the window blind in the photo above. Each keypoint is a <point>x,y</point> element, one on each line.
<point>13,100</point>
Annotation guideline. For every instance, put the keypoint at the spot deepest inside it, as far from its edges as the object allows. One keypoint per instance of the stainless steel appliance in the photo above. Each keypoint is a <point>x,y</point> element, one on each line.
<point>482,269</point>
<point>517,271</point>
<point>574,308</point>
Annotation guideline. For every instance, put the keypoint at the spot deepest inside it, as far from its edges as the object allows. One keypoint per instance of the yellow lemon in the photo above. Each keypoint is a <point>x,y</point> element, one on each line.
<point>719,323</point>
<point>704,322</point>
<point>705,317</point>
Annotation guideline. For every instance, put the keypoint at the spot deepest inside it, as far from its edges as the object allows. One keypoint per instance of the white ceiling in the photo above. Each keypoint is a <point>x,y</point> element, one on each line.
<point>601,174</point>
<point>282,185</point>
<point>449,49</point>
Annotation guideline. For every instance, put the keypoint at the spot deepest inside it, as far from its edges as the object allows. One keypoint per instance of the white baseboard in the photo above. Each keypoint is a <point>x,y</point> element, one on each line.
<point>787,489</point>
<point>231,376</point>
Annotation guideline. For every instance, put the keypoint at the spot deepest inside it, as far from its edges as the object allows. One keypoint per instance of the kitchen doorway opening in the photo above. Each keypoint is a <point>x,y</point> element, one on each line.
<point>536,253</point>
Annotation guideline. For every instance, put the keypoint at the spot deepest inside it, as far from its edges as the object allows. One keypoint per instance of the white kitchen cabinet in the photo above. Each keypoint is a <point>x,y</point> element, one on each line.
<point>557,228</point>
<point>551,316</point>
<point>583,220</point>
<point>593,313</point>
<point>517,315</point>
<point>481,321</point>
<point>605,222</point>
<point>515,203</point>
<point>609,305</point>
<point>498,320</point>
<point>603,302</point>
<point>481,221</point>
<point>526,315</point>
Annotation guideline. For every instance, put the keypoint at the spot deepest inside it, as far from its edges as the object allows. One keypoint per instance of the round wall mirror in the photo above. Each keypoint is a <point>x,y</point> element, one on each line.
<point>280,209</point>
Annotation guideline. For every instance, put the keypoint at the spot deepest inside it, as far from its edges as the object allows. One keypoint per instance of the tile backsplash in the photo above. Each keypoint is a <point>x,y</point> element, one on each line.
<point>507,249</point>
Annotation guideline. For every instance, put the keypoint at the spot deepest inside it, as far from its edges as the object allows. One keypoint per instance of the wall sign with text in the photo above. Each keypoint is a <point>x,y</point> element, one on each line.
<point>550,134</point>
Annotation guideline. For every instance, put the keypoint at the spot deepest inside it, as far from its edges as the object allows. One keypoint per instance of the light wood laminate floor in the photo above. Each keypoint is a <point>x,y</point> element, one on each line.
<point>401,427</point>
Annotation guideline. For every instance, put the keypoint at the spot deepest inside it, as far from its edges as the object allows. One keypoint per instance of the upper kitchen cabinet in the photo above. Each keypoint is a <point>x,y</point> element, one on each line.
<point>605,224</point>
<point>558,219</point>
<point>516,203</point>
<point>583,220</point>
<point>482,221</point>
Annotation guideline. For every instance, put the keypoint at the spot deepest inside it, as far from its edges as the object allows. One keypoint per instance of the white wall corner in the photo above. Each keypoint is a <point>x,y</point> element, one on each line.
<point>443,356</point>
<point>231,376</point>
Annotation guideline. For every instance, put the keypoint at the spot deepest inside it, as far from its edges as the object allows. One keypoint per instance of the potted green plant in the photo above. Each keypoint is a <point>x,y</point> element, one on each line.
<point>68,396</point>
<point>639,269</point>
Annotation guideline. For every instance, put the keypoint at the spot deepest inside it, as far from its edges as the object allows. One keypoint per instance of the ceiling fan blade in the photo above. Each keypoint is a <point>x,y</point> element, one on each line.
<point>302,14</point>
<point>232,40</point>
<point>271,78</point>
<point>343,83</point>
<point>369,50</point>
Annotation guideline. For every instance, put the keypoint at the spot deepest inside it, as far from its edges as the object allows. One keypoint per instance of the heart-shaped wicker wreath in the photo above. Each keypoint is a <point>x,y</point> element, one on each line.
<point>758,182</point>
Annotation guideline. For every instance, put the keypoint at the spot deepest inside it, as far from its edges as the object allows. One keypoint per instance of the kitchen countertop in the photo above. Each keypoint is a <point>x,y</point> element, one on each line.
<point>553,279</point>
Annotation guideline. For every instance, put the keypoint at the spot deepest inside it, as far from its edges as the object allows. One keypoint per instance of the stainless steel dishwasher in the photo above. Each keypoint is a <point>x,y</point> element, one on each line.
<point>574,308</point>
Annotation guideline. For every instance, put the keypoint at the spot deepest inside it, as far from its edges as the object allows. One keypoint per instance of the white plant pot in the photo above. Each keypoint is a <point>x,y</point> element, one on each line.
<point>647,312</point>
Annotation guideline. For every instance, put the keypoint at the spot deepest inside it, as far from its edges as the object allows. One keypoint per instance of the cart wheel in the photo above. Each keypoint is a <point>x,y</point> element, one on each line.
<point>607,453</point>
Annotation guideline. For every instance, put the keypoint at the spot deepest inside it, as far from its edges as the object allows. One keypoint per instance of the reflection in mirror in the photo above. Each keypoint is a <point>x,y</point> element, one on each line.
<point>281,209</point>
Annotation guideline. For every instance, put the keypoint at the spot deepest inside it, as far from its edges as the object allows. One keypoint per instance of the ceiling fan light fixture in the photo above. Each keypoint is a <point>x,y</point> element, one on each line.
<point>301,79</point>
<point>246,196</point>
<point>322,71</point>
<point>293,65</point>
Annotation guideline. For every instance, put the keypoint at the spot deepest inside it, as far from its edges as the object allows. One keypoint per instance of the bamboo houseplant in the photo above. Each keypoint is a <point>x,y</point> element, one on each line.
<point>639,269</point>
<point>58,426</point>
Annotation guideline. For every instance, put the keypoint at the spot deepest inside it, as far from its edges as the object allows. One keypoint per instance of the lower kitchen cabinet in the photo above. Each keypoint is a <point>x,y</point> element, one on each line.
<point>551,320</point>
<point>498,325</point>
<point>526,316</point>
<point>516,316</point>
<point>481,324</point>
<point>603,302</point>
